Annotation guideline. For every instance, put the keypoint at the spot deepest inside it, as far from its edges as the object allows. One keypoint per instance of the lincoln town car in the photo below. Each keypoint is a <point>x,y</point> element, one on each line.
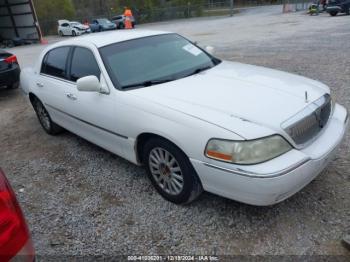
<point>195,122</point>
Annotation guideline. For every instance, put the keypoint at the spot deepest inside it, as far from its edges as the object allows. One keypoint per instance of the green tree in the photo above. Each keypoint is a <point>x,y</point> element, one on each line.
<point>54,9</point>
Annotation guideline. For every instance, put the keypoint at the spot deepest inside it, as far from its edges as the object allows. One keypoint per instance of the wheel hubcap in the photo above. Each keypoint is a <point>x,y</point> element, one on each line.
<point>43,116</point>
<point>166,171</point>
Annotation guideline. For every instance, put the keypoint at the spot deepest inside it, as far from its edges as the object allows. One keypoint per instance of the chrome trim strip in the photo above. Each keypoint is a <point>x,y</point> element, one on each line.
<point>244,173</point>
<point>88,123</point>
<point>58,78</point>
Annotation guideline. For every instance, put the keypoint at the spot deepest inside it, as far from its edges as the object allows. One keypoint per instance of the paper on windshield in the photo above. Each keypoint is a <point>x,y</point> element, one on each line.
<point>192,49</point>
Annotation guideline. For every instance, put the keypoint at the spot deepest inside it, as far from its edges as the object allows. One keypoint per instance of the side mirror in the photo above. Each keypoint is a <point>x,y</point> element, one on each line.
<point>210,50</point>
<point>89,84</point>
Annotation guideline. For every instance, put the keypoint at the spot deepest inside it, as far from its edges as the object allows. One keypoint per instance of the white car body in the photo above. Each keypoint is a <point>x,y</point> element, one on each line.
<point>69,28</point>
<point>231,101</point>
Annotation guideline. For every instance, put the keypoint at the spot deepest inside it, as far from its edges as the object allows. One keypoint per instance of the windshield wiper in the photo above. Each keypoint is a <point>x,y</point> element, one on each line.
<point>198,70</point>
<point>149,83</point>
<point>162,81</point>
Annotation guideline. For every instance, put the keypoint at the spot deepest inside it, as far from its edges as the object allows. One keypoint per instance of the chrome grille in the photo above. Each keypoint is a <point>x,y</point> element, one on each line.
<point>307,124</point>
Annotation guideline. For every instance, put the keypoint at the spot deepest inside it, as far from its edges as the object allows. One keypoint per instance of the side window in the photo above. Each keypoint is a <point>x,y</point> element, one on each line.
<point>83,64</point>
<point>54,63</point>
<point>65,25</point>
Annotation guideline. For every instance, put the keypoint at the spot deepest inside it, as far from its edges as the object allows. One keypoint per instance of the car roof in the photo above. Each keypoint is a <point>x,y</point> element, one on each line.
<point>60,22</point>
<point>111,37</point>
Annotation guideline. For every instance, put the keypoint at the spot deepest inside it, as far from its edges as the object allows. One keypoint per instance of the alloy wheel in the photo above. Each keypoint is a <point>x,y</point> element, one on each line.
<point>166,171</point>
<point>43,116</point>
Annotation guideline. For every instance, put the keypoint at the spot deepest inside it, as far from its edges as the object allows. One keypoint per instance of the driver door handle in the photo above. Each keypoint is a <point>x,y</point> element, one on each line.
<point>71,96</point>
<point>39,85</point>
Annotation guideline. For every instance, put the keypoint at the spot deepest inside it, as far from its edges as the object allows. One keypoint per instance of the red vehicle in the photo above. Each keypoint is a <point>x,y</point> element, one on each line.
<point>15,239</point>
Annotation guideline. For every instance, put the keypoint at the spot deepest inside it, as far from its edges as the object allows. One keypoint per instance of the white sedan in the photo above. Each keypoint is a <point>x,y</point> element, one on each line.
<point>195,122</point>
<point>66,27</point>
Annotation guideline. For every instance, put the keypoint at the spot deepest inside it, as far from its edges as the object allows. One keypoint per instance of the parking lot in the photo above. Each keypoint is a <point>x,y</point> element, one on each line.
<point>82,200</point>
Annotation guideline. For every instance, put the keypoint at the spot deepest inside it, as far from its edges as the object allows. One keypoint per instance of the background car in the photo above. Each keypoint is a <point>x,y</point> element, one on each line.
<point>66,27</point>
<point>102,24</point>
<point>120,21</point>
<point>9,70</point>
<point>338,6</point>
<point>15,239</point>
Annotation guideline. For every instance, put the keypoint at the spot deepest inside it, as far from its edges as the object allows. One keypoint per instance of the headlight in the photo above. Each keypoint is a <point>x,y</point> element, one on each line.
<point>247,152</point>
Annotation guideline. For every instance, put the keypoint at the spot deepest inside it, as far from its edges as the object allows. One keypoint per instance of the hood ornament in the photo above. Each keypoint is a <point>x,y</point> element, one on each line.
<point>306,97</point>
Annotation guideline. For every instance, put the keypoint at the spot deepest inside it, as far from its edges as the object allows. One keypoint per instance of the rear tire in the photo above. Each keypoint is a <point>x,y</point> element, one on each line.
<point>13,86</point>
<point>333,13</point>
<point>61,33</point>
<point>45,120</point>
<point>171,172</point>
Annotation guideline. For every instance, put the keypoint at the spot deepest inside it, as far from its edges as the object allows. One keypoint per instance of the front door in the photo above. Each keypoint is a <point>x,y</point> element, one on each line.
<point>92,115</point>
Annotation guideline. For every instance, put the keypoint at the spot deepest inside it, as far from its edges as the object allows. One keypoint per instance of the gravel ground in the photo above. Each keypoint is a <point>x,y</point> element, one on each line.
<point>82,200</point>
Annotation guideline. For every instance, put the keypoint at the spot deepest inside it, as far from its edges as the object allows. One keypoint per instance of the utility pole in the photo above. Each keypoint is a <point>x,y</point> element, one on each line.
<point>231,7</point>
<point>101,7</point>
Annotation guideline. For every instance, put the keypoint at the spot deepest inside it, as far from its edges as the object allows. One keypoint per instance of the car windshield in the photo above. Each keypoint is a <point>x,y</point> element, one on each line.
<point>75,24</point>
<point>103,21</point>
<point>154,60</point>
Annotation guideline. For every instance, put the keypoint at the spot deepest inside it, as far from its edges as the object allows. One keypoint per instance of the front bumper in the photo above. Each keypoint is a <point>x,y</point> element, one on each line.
<point>109,28</point>
<point>333,9</point>
<point>10,76</point>
<point>276,180</point>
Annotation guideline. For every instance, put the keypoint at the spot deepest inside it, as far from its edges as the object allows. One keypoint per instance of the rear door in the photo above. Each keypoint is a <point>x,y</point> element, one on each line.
<point>66,29</point>
<point>52,83</point>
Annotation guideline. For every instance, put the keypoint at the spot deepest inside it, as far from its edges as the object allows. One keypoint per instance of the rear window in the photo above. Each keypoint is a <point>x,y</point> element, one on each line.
<point>55,62</point>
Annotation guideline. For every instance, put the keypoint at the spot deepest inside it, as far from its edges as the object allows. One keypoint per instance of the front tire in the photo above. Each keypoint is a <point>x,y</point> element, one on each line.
<point>171,172</point>
<point>74,33</point>
<point>333,13</point>
<point>45,120</point>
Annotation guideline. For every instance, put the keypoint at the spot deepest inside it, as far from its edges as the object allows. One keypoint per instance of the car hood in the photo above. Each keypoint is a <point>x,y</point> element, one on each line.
<point>249,100</point>
<point>79,26</point>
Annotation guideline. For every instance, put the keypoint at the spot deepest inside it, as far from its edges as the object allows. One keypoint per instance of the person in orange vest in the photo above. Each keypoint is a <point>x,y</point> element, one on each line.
<point>128,12</point>
<point>128,15</point>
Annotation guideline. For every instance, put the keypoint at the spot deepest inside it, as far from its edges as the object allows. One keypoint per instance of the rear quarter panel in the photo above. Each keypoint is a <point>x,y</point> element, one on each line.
<point>27,79</point>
